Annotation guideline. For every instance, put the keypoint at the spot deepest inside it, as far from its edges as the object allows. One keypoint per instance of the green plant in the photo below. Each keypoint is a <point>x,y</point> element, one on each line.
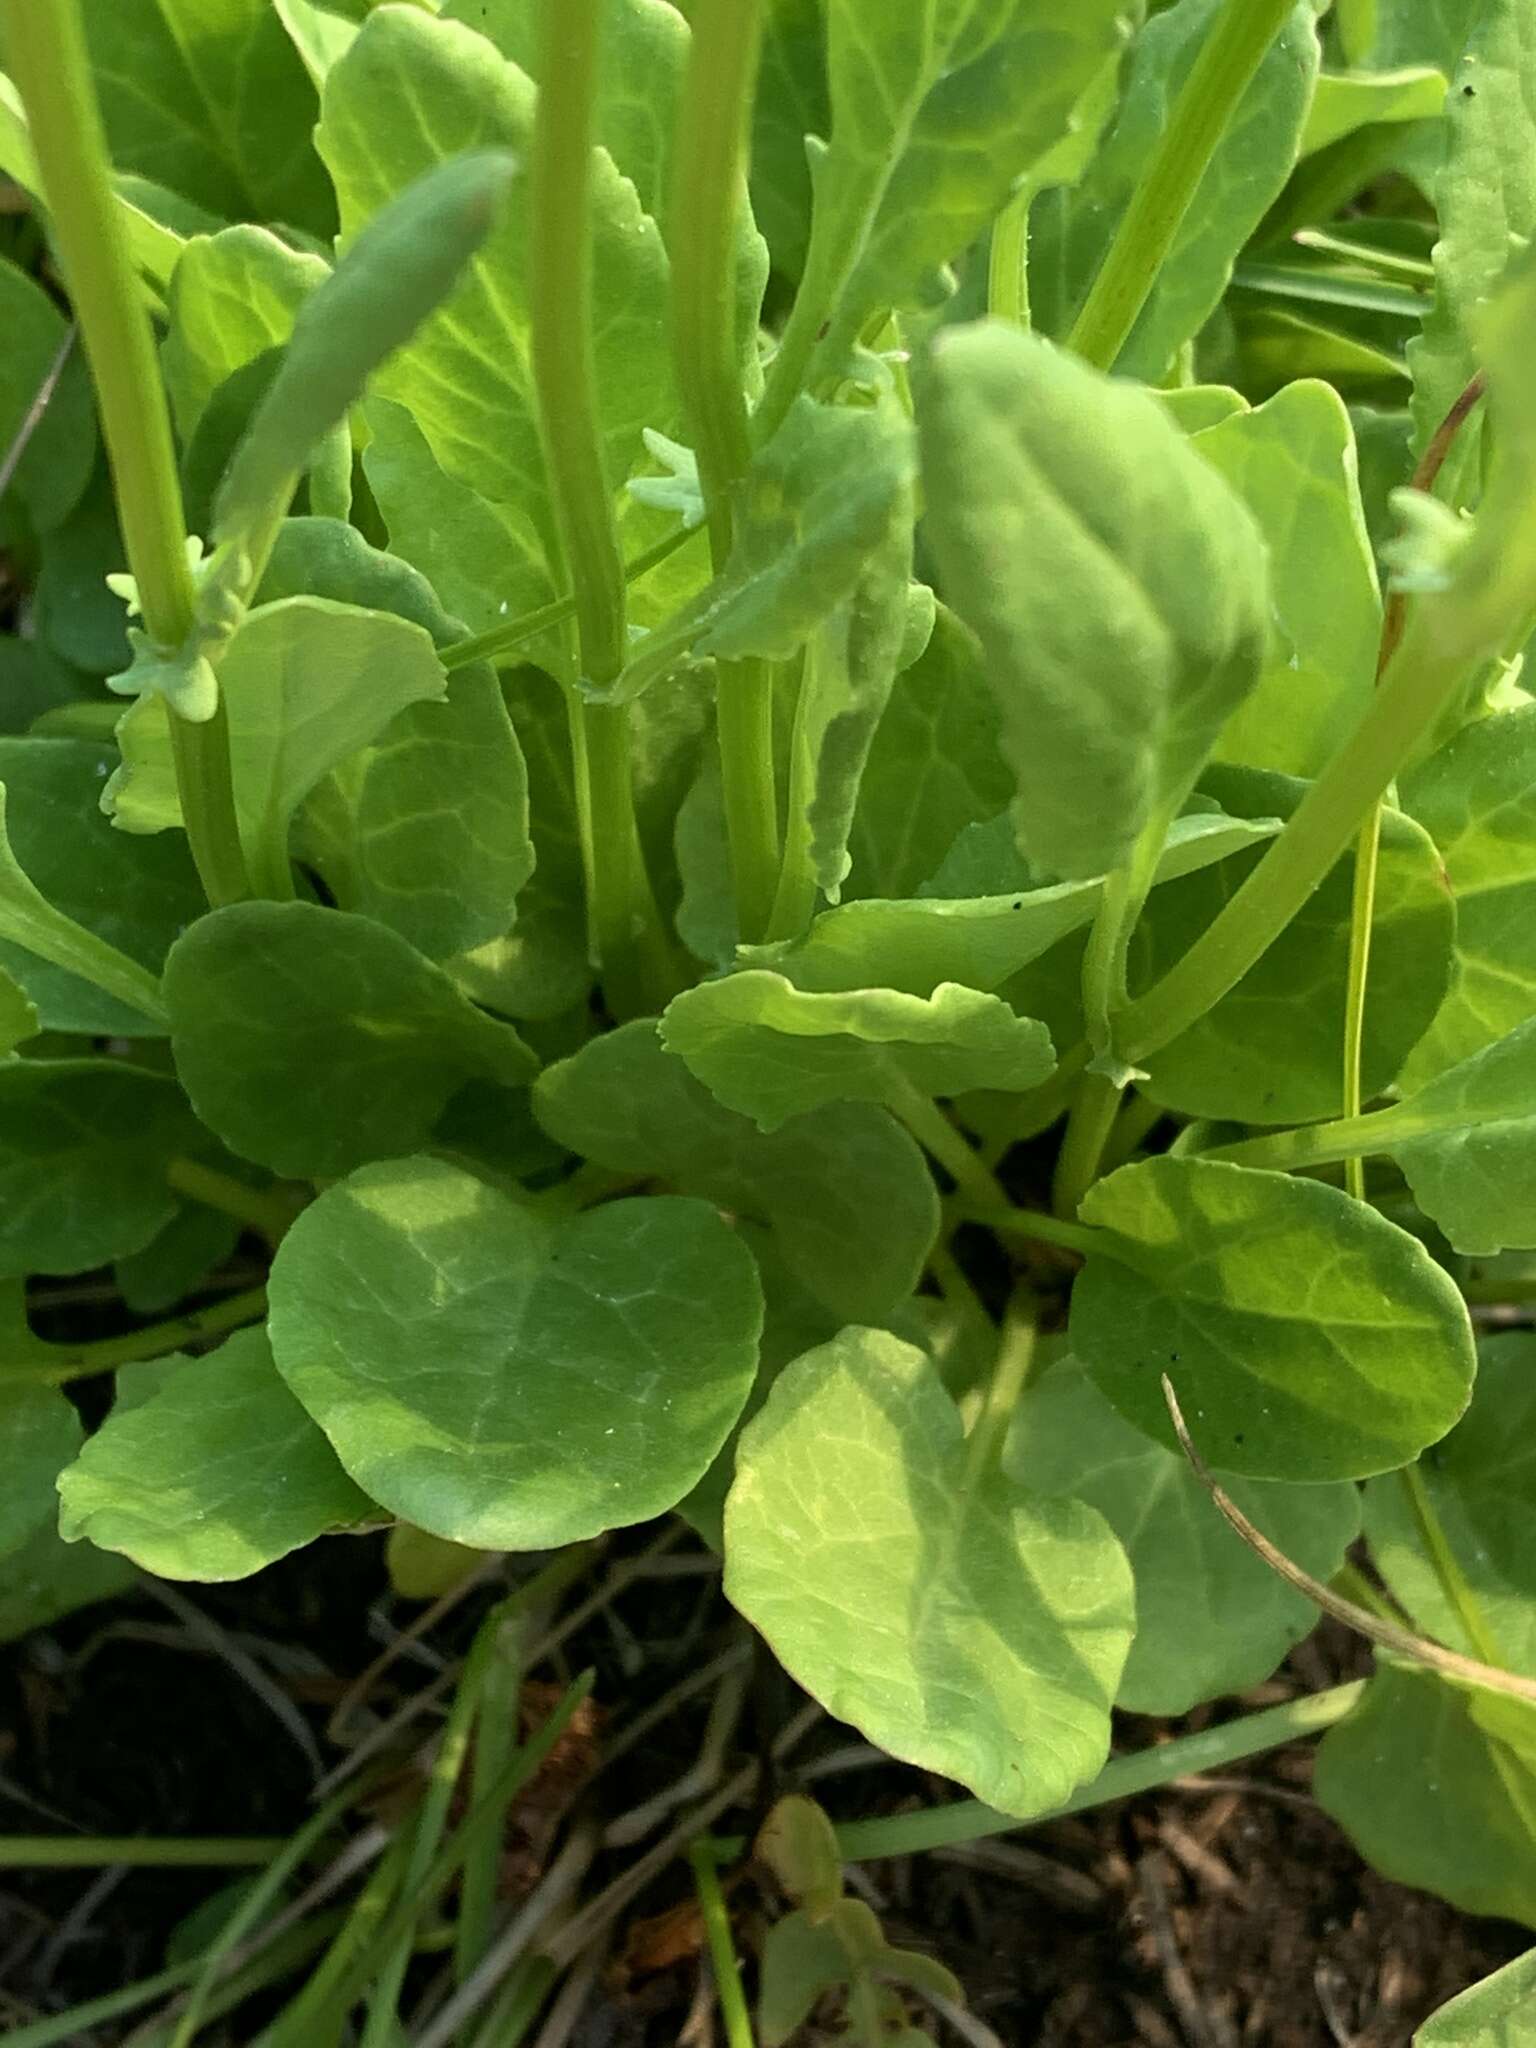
<point>642,960</point>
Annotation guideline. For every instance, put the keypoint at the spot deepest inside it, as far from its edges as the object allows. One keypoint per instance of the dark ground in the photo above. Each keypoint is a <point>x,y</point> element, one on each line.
<point>1203,1917</point>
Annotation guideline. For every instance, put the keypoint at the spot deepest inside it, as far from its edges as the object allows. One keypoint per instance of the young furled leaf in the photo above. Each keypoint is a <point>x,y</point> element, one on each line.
<point>771,1050</point>
<point>312,1040</point>
<point>1117,585</point>
<point>1306,1337</point>
<point>510,1379</point>
<point>963,1624</point>
<point>1211,1617</point>
<point>84,1144</point>
<point>217,1474</point>
<point>846,1192</point>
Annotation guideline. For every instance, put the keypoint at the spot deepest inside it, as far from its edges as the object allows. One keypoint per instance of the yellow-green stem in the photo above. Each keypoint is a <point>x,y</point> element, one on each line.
<point>47,56</point>
<point>1361,921</point>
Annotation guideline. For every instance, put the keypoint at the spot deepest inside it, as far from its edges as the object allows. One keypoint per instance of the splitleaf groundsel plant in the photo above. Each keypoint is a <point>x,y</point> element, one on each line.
<point>791,736</point>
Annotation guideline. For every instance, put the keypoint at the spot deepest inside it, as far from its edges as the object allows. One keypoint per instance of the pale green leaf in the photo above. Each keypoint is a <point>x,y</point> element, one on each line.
<point>219,1473</point>
<point>1476,798</point>
<point>213,102</point>
<point>84,1144</point>
<point>1269,1051</point>
<point>56,464</point>
<point>1415,32</point>
<point>506,1378</point>
<point>935,115</point>
<point>436,809</point>
<point>306,683</point>
<point>773,1051</point>
<point>86,917</point>
<point>1481,1485</point>
<point>1117,584</point>
<point>961,1623</point>
<point>311,1040</point>
<point>846,1191</point>
<point>1070,231</point>
<point>1485,198</point>
<point>321,32</point>
<point>1426,1797</point>
<point>1305,1336</point>
<point>983,932</point>
<point>1195,407</point>
<point>1347,100</point>
<point>1292,462</point>
<point>411,92</point>
<point>1210,1616</point>
<point>934,767</point>
<point>39,1433</point>
<point>1498,2013</point>
<point>233,296</point>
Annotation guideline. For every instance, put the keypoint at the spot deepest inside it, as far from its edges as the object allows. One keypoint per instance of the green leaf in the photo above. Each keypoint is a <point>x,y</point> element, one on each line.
<point>1268,1052</point>
<point>1070,231</point>
<point>321,33</point>
<point>1416,32</point>
<point>18,1019</point>
<point>49,1578</point>
<point>1498,2013</point>
<point>77,616</point>
<point>791,104</point>
<point>1292,461</point>
<point>934,767</point>
<point>1347,100</point>
<point>312,1041</point>
<point>1481,1484</point>
<point>828,491</point>
<point>233,296</point>
<point>935,117</point>
<point>86,916</point>
<point>84,1144</point>
<point>436,808</point>
<point>772,1051</point>
<point>846,1192</point>
<point>1426,1796</point>
<point>219,1473</point>
<point>985,935</point>
<point>411,92</point>
<point>394,273</point>
<point>1211,1617</point>
<point>962,1624</point>
<point>39,1433</point>
<point>212,102</point>
<point>1306,1336</point>
<point>56,465</point>
<point>509,1379</point>
<point>191,1246</point>
<point>1476,798</point>
<point>306,683</point>
<point>1485,198</point>
<point>1083,538</point>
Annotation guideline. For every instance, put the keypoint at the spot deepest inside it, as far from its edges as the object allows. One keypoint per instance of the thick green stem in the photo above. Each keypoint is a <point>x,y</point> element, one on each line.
<point>1362,917</point>
<point>1008,266</point>
<point>1010,1376</point>
<point>1033,1226</point>
<point>1201,115</point>
<point>794,903</point>
<point>1082,1149</point>
<point>626,927</point>
<point>1432,665</point>
<point>518,632</point>
<point>938,1136</point>
<point>709,180</point>
<point>722,1947</point>
<point>1214,1749</point>
<point>46,52</point>
<point>53,1364</point>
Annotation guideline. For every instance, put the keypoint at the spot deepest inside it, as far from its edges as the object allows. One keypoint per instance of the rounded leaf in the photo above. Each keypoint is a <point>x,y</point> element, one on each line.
<point>506,1378</point>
